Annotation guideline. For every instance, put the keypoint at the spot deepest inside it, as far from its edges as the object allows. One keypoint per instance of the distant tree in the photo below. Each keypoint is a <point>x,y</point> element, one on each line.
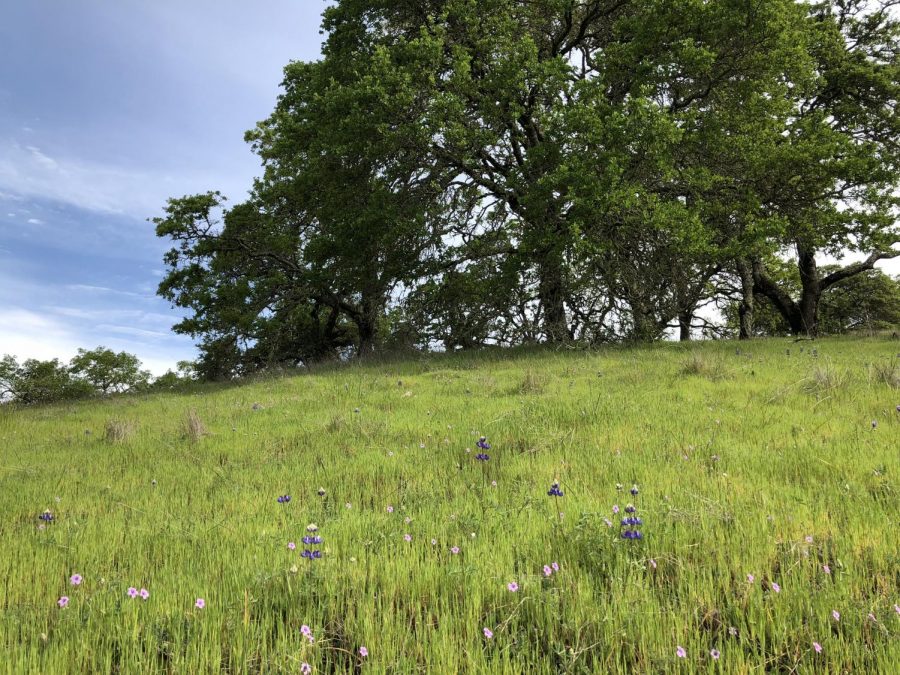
<point>35,381</point>
<point>109,372</point>
<point>867,301</point>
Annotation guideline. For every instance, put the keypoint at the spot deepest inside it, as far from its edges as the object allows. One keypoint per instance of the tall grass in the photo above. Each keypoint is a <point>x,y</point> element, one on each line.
<point>739,475</point>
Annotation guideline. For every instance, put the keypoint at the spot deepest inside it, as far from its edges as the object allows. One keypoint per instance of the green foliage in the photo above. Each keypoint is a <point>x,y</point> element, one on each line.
<point>34,381</point>
<point>869,301</point>
<point>109,372</point>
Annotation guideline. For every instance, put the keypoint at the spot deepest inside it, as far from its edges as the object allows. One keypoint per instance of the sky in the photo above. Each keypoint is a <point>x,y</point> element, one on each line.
<point>106,110</point>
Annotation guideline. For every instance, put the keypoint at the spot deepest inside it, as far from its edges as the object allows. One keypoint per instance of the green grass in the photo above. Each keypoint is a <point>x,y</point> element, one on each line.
<point>741,452</point>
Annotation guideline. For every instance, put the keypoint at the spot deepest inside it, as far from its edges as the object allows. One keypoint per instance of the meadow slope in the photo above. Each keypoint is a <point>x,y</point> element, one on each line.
<point>773,459</point>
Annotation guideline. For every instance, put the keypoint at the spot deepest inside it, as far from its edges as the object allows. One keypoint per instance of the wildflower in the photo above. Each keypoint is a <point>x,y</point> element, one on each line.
<point>615,509</point>
<point>836,615</point>
<point>291,546</point>
<point>312,527</point>
<point>434,542</point>
<point>488,633</point>
<point>826,569</point>
<point>363,652</point>
<point>630,508</point>
<point>554,491</point>
<point>389,509</point>
<point>618,487</point>
<point>46,516</point>
<point>817,647</point>
<point>776,587</point>
<point>348,505</point>
<point>634,490</point>
<point>407,537</point>
<point>455,550</point>
<point>407,520</point>
<point>482,457</point>
<point>305,668</point>
<point>874,424</point>
<point>608,522</point>
<point>652,563</point>
<point>312,540</point>
<point>680,652</point>
<point>555,566</point>
<point>809,539</point>
<point>512,586</point>
<point>547,570</point>
<point>750,578</point>
<point>493,483</point>
<point>63,602</point>
<point>75,580</point>
<point>897,609</point>
<point>483,444</point>
<point>284,499</point>
<point>321,492</point>
<point>306,632</point>
<point>732,631</point>
<point>132,592</point>
<point>200,604</point>
<point>872,618</point>
<point>715,654</point>
<point>145,594</point>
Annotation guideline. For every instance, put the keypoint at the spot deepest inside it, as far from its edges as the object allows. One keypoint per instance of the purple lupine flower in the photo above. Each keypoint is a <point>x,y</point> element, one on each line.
<point>63,602</point>
<point>512,586</point>
<point>481,457</point>
<point>284,499</point>
<point>680,652</point>
<point>46,516</point>
<point>488,633</point>
<point>634,490</point>
<point>200,604</point>
<point>75,580</point>
<point>363,652</point>
<point>312,527</point>
<point>630,508</point>
<point>554,491</point>
<point>483,444</point>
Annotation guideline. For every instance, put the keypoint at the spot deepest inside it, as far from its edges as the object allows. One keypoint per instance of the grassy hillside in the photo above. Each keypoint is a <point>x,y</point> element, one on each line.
<point>774,459</point>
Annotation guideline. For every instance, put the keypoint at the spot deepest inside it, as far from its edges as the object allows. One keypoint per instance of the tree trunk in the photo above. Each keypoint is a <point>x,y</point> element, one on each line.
<point>551,293</point>
<point>807,318</point>
<point>367,325</point>
<point>684,325</point>
<point>748,303</point>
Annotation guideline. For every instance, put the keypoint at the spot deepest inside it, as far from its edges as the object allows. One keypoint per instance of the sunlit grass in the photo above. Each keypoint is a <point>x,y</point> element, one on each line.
<point>734,474</point>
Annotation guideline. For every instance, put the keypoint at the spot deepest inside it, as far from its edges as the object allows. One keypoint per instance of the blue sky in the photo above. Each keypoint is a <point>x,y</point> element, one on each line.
<point>106,109</point>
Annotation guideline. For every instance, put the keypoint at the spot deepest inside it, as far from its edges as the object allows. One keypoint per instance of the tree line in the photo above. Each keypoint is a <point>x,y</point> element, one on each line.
<point>91,372</point>
<point>458,173</point>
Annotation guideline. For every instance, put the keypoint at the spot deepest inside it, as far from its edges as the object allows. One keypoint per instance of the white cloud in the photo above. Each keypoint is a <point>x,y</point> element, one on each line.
<point>35,221</point>
<point>30,172</point>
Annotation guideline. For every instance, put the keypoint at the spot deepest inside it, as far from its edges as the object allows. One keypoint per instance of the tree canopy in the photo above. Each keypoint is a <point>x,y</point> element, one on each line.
<point>466,172</point>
